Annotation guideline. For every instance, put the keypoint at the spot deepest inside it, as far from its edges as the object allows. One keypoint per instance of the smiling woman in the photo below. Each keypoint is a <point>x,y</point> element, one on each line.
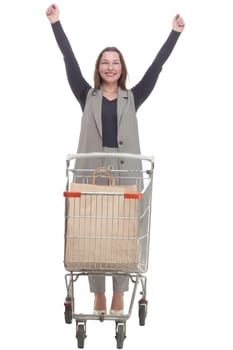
<point>109,120</point>
<point>110,72</point>
<point>110,68</point>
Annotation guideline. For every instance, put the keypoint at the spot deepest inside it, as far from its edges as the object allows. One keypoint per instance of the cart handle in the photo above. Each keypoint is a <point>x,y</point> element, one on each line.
<point>127,195</point>
<point>109,155</point>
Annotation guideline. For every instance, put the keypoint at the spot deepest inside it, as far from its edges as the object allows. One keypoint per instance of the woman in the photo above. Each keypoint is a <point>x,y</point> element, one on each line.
<point>109,122</point>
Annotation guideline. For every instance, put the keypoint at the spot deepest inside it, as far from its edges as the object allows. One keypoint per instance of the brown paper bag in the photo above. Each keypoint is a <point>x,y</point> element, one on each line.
<point>101,229</point>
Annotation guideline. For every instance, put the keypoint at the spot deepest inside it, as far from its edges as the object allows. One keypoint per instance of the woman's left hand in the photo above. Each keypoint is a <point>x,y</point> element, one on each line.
<point>178,24</point>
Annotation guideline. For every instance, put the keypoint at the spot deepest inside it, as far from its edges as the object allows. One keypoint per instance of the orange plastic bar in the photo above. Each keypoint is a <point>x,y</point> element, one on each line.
<point>72,194</point>
<point>133,195</point>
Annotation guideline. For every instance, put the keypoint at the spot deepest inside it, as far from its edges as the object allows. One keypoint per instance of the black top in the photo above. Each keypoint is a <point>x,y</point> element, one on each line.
<point>80,86</point>
<point>109,122</point>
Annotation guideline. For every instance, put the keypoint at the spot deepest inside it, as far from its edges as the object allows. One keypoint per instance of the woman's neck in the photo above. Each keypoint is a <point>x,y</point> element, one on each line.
<point>110,91</point>
<point>110,88</point>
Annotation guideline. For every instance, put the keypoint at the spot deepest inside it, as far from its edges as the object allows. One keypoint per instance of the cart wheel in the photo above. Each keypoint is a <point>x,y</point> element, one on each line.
<point>68,310</point>
<point>81,335</point>
<point>120,335</point>
<point>142,311</point>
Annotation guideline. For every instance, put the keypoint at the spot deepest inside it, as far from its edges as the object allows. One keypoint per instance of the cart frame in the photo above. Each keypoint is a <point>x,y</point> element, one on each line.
<point>136,276</point>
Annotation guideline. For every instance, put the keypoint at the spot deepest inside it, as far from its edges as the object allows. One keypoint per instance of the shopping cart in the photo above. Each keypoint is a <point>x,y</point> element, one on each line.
<point>107,230</point>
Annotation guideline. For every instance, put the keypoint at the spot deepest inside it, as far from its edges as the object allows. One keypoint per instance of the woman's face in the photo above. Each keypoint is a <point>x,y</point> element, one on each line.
<point>110,67</point>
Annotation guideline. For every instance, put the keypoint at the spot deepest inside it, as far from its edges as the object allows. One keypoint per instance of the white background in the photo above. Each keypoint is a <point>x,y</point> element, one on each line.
<point>186,123</point>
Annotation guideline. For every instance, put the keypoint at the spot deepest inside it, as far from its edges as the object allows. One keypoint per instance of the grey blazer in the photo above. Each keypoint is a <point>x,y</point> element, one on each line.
<point>90,139</point>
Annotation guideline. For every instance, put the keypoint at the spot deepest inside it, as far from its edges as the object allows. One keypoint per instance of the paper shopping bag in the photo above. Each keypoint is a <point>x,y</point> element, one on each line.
<point>101,228</point>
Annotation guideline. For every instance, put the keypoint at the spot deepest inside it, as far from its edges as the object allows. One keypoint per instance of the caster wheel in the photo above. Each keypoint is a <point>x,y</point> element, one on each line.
<point>68,310</point>
<point>81,335</point>
<point>120,335</point>
<point>142,312</point>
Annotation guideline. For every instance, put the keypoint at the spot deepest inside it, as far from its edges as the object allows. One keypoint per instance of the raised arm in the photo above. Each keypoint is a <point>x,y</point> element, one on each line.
<point>145,86</point>
<point>78,84</point>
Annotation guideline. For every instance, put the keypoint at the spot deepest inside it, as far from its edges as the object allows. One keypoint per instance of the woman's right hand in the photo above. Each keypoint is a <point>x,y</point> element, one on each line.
<point>52,13</point>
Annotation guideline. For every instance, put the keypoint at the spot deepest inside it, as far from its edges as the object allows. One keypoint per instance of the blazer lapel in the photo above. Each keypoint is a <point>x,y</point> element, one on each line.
<point>121,103</point>
<point>97,108</point>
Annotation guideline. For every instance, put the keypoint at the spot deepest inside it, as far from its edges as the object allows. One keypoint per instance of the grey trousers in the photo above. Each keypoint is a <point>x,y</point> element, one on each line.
<point>97,283</point>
